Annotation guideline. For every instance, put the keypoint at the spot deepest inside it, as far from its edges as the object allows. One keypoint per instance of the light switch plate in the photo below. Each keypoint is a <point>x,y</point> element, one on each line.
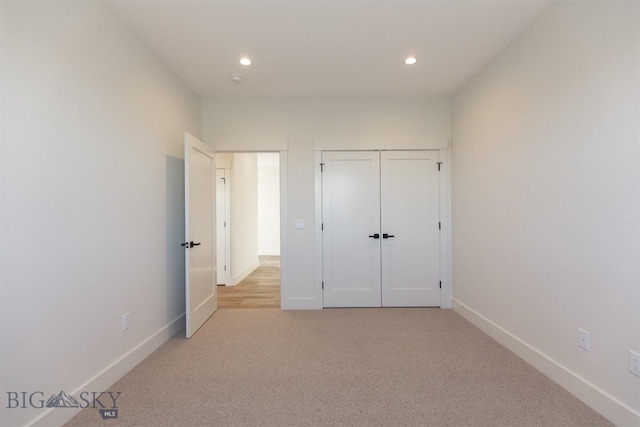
<point>584,339</point>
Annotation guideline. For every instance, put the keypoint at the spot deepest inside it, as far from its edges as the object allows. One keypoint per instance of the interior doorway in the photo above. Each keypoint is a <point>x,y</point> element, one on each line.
<point>248,229</point>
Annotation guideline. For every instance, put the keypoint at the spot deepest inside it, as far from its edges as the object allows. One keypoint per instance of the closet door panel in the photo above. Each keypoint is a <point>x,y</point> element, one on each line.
<point>351,214</point>
<point>410,215</point>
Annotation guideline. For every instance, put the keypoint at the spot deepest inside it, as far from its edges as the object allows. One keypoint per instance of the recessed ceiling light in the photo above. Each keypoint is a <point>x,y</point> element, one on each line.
<point>236,78</point>
<point>245,61</point>
<point>411,60</point>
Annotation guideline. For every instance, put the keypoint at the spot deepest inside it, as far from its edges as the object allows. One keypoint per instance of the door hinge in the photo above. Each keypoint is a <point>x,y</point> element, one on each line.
<point>439,164</point>
<point>225,268</point>
<point>322,226</point>
<point>440,285</point>
<point>224,224</point>
<point>322,285</point>
<point>321,167</point>
<point>439,226</point>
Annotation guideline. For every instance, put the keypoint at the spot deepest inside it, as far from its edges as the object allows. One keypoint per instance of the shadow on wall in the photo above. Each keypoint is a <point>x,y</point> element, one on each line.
<point>175,236</point>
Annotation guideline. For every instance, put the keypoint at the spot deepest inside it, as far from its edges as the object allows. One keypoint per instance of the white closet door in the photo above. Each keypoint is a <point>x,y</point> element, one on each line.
<point>351,214</point>
<point>410,215</point>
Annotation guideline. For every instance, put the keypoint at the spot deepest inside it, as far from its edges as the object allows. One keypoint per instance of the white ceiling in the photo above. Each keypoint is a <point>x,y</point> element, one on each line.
<point>327,48</point>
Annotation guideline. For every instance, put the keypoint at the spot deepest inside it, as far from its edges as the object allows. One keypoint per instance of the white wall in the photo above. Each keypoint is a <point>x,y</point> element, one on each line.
<point>546,201</point>
<point>300,126</point>
<point>92,199</point>
<point>269,204</point>
<point>244,215</point>
<point>332,124</point>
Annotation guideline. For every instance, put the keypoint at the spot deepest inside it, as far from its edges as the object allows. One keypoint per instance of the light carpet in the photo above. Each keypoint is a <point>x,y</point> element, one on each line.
<point>339,367</point>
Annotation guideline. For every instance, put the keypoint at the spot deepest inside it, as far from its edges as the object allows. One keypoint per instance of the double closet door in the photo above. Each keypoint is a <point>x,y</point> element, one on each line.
<point>380,229</point>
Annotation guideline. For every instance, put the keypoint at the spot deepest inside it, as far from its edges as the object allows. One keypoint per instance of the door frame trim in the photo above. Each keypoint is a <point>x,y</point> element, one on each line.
<point>284,258</point>
<point>445,232</point>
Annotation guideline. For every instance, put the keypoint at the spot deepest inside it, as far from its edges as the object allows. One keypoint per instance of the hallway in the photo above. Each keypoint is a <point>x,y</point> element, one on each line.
<point>261,289</point>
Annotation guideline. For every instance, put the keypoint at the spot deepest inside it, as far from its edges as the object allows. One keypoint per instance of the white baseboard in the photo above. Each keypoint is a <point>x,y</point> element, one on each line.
<point>112,373</point>
<point>605,404</point>
<point>301,304</point>
<point>264,258</point>
<point>243,275</point>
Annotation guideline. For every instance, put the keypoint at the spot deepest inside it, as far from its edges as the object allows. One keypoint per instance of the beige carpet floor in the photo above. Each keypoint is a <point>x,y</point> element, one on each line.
<point>341,367</point>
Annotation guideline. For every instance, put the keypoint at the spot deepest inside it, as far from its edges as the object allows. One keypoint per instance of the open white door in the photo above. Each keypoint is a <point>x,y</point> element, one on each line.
<point>200,249</point>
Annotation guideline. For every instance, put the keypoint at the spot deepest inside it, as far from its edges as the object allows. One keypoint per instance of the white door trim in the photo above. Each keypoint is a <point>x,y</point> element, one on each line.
<point>284,258</point>
<point>445,232</point>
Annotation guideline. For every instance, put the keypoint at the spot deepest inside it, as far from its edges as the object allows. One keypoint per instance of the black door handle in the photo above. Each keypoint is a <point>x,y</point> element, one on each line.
<point>375,236</point>
<point>387,236</point>
<point>190,244</point>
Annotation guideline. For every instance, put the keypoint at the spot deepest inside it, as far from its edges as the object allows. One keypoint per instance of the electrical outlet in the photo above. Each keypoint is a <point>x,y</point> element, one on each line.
<point>125,321</point>
<point>584,339</point>
<point>634,362</point>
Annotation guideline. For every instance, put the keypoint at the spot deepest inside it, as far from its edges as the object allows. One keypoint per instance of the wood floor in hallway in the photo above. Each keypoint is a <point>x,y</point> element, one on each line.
<point>261,289</point>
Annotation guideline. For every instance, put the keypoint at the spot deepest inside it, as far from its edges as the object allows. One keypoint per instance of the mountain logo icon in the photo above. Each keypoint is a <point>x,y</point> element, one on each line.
<point>62,400</point>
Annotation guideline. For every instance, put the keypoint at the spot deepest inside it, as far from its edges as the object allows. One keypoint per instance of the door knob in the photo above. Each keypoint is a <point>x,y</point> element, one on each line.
<point>387,236</point>
<point>375,236</point>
